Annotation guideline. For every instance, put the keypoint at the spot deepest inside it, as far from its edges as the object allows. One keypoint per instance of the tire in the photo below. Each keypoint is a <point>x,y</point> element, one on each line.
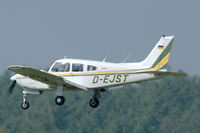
<point>25,105</point>
<point>94,102</point>
<point>60,100</point>
<point>103,90</point>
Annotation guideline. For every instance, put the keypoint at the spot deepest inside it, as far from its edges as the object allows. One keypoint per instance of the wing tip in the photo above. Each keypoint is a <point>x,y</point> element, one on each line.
<point>15,67</point>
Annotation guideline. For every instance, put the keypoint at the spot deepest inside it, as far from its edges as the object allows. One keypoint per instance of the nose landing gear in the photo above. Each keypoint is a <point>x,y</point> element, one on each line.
<point>25,104</point>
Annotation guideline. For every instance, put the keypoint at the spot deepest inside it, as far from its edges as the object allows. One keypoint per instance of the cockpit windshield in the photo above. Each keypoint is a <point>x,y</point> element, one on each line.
<point>61,67</point>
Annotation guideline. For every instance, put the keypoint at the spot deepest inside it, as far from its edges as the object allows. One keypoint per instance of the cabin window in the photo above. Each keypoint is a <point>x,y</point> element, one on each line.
<point>61,67</point>
<point>91,68</point>
<point>77,67</point>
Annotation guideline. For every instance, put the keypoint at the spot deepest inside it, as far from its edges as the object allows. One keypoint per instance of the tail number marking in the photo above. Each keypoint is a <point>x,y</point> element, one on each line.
<point>110,79</point>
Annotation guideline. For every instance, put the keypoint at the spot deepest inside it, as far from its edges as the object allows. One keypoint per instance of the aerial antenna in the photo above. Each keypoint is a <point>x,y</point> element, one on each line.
<point>127,58</point>
<point>104,60</point>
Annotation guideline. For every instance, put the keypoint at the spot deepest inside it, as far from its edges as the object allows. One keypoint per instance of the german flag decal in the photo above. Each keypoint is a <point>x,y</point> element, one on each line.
<point>160,47</point>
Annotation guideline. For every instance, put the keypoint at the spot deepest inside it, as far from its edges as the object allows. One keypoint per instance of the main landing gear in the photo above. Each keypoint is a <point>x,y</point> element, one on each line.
<point>94,101</point>
<point>60,100</point>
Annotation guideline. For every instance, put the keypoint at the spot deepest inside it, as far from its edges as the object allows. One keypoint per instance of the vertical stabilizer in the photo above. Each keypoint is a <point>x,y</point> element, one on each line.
<point>159,55</point>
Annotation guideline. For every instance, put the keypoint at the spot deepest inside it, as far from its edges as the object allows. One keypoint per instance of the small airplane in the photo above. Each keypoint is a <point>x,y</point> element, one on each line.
<point>77,74</point>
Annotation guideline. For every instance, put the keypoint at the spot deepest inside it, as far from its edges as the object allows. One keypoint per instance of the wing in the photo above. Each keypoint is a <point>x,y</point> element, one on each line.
<point>177,74</point>
<point>44,77</point>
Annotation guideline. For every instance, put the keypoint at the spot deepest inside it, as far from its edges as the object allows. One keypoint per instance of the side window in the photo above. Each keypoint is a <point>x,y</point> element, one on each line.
<point>91,68</point>
<point>60,67</point>
<point>77,67</point>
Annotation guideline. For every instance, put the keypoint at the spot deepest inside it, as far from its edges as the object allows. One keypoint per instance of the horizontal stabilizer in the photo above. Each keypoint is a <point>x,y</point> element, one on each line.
<point>176,74</point>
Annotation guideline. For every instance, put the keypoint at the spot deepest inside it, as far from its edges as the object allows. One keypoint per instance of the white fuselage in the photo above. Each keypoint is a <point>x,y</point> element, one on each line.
<point>105,75</point>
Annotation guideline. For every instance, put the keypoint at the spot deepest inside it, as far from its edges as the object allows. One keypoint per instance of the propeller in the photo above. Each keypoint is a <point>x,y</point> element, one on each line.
<point>12,86</point>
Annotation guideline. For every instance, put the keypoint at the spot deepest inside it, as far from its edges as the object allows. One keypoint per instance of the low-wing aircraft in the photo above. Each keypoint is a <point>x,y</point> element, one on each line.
<point>77,74</point>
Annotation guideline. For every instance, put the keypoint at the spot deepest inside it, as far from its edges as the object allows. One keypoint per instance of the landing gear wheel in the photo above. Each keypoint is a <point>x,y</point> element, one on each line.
<point>60,100</point>
<point>25,105</point>
<point>94,102</point>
